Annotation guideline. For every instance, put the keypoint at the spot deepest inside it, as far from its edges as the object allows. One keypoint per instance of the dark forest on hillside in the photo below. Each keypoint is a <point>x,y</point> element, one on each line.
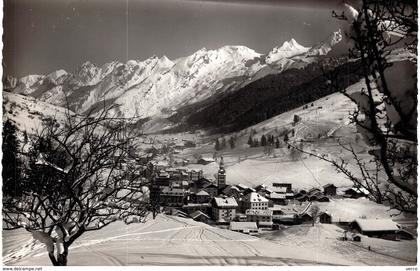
<point>266,98</point>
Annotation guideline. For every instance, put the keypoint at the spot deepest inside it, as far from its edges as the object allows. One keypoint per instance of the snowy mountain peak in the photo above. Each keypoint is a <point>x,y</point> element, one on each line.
<point>292,45</point>
<point>164,58</point>
<point>86,65</point>
<point>29,80</point>
<point>165,61</point>
<point>87,74</point>
<point>57,74</point>
<point>323,48</point>
<point>239,51</point>
<point>159,86</point>
<point>289,49</point>
<point>336,37</point>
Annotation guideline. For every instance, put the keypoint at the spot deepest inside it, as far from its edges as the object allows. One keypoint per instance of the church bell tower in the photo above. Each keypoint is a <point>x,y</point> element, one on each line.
<point>221,175</point>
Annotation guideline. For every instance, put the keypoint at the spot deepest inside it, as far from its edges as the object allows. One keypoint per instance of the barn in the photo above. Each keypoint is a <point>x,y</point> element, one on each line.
<point>356,193</point>
<point>330,189</point>
<point>379,228</point>
<point>244,227</point>
<point>325,218</point>
<point>306,218</point>
<point>200,216</point>
<point>205,160</point>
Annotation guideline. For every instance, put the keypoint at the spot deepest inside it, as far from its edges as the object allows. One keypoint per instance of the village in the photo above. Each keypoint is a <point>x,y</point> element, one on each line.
<point>185,192</point>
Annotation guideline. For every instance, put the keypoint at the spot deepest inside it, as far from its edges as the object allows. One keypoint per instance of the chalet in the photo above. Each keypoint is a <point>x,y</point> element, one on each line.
<point>300,194</point>
<point>302,198</point>
<point>172,172</point>
<point>322,198</point>
<point>195,175</point>
<point>313,197</point>
<point>290,195</point>
<point>355,193</point>
<point>314,191</point>
<point>261,187</point>
<point>306,218</point>
<point>160,165</point>
<point>184,173</point>
<point>276,210</point>
<point>280,190</point>
<point>244,227</point>
<point>379,228</point>
<point>224,209</point>
<point>232,191</point>
<point>199,184</point>
<point>264,193</point>
<point>178,184</point>
<point>162,178</point>
<point>278,198</point>
<point>181,162</point>
<point>248,191</point>
<point>254,200</point>
<point>356,238</point>
<point>192,207</point>
<point>288,219</point>
<point>205,160</point>
<point>330,189</point>
<point>179,146</point>
<point>176,212</point>
<point>404,235</point>
<point>212,190</point>
<point>200,197</point>
<point>325,218</point>
<point>200,216</point>
<point>264,218</point>
<point>173,197</point>
<point>241,217</point>
<point>288,186</point>
<point>242,187</point>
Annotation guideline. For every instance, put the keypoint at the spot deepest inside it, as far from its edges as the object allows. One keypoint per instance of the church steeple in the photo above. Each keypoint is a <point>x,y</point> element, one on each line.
<point>221,175</point>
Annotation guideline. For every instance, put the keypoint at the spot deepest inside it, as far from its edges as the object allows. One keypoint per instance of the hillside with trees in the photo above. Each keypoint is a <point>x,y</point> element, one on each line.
<point>267,97</point>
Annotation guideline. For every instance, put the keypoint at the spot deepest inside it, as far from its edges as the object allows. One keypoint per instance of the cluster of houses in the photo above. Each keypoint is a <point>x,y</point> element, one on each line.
<point>187,193</point>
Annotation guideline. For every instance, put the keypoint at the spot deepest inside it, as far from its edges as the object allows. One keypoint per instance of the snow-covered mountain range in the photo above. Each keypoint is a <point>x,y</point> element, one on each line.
<point>159,86</point>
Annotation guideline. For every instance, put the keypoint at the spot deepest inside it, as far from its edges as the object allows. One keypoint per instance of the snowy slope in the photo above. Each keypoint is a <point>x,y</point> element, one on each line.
<point>28,112</point>
<point>325,238</point>
<point>252,167</point>
<point>175,241</point>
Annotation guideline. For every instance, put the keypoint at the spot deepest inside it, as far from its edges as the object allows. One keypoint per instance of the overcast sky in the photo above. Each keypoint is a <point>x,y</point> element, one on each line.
<point>45,35</point>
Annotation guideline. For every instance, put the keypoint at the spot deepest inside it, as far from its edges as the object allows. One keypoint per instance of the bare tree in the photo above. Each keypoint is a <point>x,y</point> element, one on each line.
<point>314,212</point>
<point>81,176</point>
<point>383,33</point>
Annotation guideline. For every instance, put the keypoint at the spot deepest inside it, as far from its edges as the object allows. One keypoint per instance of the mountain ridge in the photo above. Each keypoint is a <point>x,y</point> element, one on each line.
<point>158,87</point>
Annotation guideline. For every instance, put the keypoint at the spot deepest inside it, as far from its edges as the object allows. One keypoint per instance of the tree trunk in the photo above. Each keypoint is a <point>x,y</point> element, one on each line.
<point>52,258</point>
<point>62,258</point>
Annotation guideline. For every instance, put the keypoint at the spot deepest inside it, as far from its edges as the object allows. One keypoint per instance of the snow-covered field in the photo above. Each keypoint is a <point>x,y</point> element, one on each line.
<point>28,112</point>
<point>323,239</point>
<point>346,210</point>
<point>177,241</point>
